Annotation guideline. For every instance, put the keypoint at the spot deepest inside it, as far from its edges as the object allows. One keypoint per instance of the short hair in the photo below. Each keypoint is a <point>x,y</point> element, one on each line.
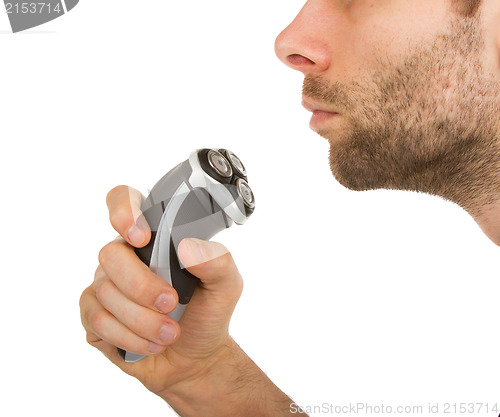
<point>466,8</point>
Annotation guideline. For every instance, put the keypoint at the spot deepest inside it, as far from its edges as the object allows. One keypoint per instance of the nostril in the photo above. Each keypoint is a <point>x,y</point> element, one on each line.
<point>299,60</point>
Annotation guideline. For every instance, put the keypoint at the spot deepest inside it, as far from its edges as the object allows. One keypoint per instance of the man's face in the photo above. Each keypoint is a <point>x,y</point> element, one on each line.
<point>403,92</point>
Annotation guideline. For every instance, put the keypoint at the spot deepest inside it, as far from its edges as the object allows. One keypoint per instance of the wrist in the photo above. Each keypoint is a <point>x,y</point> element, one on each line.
<point>230,384</point>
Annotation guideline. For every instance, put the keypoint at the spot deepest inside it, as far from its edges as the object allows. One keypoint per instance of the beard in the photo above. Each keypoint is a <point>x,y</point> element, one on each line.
<point>428,124</point>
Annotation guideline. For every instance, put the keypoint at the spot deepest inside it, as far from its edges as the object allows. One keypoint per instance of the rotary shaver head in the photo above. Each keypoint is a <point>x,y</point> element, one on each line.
<point>225,171</point>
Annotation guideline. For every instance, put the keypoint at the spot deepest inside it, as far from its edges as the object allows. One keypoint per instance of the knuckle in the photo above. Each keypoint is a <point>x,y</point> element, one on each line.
<point>98,275</point>
<point>224,261</point>
<point>238,285</point>
<point>234,287</point>
<point>84,309</point>
<point>98,321</point>
<point>102,288</point>
<point>83,299</point>
<point>140,286</point>
<point>137,324</point>
<point>107,253</point>
<point>103,255</point>
<point>92,339</point>
<point>98,271</point>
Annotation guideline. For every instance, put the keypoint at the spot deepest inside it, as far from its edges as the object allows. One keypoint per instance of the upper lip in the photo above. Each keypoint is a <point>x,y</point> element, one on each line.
<point>313,106</point>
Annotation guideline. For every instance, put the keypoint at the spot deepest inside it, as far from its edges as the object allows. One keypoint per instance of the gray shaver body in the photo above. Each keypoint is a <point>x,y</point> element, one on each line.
<point>198,198</point>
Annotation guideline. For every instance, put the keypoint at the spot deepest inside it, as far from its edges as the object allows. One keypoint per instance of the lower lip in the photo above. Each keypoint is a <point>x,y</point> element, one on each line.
<point>320,117</point>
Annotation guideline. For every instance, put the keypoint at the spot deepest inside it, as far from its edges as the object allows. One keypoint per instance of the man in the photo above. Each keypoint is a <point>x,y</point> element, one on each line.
<point>406,93</point>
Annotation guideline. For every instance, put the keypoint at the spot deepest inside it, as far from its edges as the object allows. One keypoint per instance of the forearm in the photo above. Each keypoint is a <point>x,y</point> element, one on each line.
<point>232,386</point>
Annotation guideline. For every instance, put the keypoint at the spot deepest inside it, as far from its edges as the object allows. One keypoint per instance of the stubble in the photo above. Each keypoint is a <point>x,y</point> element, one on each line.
<point>429,124</point>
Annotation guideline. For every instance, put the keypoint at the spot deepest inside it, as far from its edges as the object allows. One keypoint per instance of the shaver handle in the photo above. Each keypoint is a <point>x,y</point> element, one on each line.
<point>191,213</point>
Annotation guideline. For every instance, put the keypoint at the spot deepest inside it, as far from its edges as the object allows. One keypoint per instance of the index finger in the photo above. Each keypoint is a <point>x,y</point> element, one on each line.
<point>124,205</point>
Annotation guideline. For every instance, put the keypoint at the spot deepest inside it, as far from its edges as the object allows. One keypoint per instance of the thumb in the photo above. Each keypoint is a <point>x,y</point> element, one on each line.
<point>211,262</point>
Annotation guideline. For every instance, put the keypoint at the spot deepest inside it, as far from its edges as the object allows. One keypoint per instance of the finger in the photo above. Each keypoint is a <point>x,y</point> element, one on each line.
<point>148,324</point>
<point>134,279</point>
<point>212,263</point>
<point>124,205</point>
<point>102,325</point>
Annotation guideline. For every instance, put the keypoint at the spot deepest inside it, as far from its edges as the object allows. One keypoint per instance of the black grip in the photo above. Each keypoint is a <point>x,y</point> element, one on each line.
<point>122,353</point>
<point>182,280</point>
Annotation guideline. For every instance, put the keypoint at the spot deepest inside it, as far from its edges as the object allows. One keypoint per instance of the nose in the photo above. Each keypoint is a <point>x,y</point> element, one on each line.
<point>302,45</point>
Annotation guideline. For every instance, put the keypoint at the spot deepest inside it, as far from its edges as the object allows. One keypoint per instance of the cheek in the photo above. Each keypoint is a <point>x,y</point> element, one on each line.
<point>367,49</point>
<point>356,55</point>
<point>491,56</point>
<point>497,46</point>
<point>384,32</point>
<point>490,22</point>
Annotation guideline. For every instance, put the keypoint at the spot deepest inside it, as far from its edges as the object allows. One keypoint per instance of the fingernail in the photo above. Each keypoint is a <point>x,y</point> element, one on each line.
<point>136,235</point>
<point>196,251</point>
<point>200,251</point>
<point>155,348</point>
<point>167,333</point>
<point>165,303</point>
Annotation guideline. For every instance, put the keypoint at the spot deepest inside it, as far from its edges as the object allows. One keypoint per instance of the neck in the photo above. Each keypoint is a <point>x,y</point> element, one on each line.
<point>475,188</point>
<point>489,221</point>
<point>471,179</point>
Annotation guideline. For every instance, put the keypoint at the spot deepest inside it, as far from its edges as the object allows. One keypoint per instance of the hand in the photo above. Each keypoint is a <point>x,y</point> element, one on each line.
<point>126,305</point>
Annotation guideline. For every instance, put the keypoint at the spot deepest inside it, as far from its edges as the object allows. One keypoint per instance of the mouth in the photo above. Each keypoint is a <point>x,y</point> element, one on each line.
<point>320,114</point>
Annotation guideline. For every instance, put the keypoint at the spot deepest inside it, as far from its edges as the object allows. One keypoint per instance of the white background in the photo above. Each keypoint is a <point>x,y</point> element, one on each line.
<point>382,297</point>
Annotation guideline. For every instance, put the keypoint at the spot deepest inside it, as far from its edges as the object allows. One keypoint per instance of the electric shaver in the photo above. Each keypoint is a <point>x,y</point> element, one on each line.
<point>198,198</point>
